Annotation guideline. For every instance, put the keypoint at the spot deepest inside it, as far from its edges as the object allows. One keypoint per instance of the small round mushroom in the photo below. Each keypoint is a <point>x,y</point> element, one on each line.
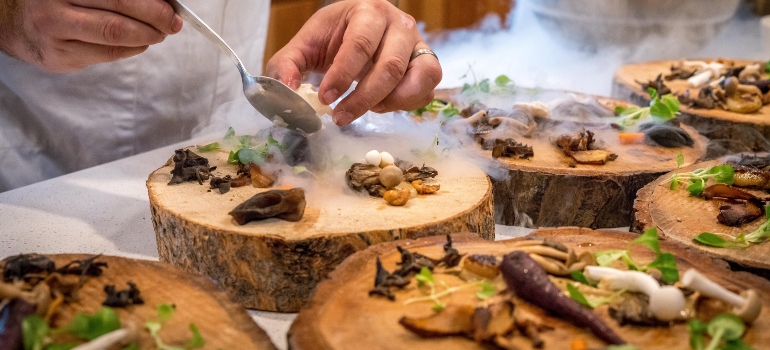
<point>750,73</point>
<point>747,306</point>
<point>731,86</point>
<point>391,176</point>
<point>373,157</point>
<point>386,159</point>
<point>666,302</point>
<point>397,197</point>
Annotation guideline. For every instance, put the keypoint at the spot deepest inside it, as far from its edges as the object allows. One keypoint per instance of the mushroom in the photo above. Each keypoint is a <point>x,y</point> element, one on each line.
<point>731,86</point>
<point>373,157</point>
<point>550,265</point>
<point>122,336</point>
<point>287,205</point>
<point>666,302</point>
<point>390,176</point>
<point>747,305</point>
<point>428,186</point>
<point>750,73</point>
<point>386,159</point>
<point>535,109</point>
<point>546,252</point>
<point>397,197</point>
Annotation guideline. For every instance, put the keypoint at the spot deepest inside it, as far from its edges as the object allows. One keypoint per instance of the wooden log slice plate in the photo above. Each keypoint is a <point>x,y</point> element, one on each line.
<point>342,316</point>
<point>680,217</point>
<point>275,265</point>
<point>749,131</point>
<point>222,322</point>
<point>545,191</point>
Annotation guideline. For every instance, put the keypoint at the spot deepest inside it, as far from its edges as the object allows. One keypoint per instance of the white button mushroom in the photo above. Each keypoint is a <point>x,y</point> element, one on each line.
<point>386,159</point>
<point>747,306</point>
<point>373,157</point>
<point>666,302</point>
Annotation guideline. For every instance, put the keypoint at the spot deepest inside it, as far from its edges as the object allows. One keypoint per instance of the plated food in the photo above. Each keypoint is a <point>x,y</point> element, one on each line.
<point>556,145</point>
<point>716,207</point>
<point>66,301</point>
<point>268,224</point>
<point>724,99</point>
<point>534,292</point>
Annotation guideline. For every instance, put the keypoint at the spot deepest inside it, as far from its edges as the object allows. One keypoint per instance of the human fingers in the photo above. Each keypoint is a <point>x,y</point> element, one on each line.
<point>286,66</point>
<point>388,69</point>
<point>102,27</point>
<point>360,42</point>
<point>75,55</point>
<point>415,90</point>
<point>155,13</point>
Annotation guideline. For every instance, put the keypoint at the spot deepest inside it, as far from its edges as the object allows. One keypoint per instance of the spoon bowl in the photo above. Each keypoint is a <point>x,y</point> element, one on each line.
<point>274,100</point>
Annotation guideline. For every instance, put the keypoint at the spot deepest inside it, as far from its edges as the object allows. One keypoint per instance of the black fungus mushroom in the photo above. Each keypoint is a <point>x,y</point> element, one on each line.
<point>286,205</point>
<point>221,183</point>
<point>667,135</point>
<point>383,280</point>
<point>451,257</point>
<point>296,148</point>
<point>122,298</point>
<point>189,166</point>
<point>508,148</point>
<point>17,267</point>
<point>413,262</point>
<point>87,267</point>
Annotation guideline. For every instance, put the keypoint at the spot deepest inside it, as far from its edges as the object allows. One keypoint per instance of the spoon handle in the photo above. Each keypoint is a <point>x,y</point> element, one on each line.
<point>209,33</point>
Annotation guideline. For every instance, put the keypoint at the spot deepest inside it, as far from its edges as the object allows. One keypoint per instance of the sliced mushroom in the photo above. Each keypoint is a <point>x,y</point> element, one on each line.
<point>287,205</point>
<point>452,320</point>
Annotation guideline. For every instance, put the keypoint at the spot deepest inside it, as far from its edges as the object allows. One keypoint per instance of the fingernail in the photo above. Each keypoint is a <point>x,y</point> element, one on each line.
<point>342,118</point>
<point>330,96</point>
<point>176,25</point>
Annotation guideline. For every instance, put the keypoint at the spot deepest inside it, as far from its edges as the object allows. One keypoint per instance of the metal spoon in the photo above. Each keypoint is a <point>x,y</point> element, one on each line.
<point>268,96</point>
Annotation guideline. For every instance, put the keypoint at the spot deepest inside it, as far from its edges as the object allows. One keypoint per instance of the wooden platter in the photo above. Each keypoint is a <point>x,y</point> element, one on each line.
<point>222,323</point>
<point>751,130</point>
<point>545,191</point>
<point>274,264</point>
<point>342,316</point>
<point>679,217</point>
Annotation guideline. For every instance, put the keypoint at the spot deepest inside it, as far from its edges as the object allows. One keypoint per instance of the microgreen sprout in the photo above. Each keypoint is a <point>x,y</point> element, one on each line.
<point>664,262</point>
<point>725,330</point>
<point>446,110</point>
<point>696,180</point>
<point>661,107</point>
<point>427,281</point>
<point>165,311</point>
<point>578,296</point>
<point>36,332</point>
<point>502,85</point>
<point>211,147</point>
<point>723,240</point>
<point>679,160</point>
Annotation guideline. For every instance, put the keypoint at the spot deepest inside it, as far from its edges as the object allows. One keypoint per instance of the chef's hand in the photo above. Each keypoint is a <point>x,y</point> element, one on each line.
<point>366,40</point>
<point>67,35</point>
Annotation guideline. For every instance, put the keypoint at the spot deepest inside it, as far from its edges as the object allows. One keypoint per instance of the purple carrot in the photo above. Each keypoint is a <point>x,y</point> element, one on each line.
<point>10,323</point>
<point>530,282</point>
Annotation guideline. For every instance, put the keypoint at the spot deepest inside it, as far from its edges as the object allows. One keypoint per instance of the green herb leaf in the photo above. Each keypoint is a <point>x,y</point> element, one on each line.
<point>729,325</point>
<point>438,307</point>
<point>674,183</point>
<point>249,155</point>
<point>679,159</point>
<point>696,188</point>
<point>165,311</point>
<point>767,67</point>
<point>762,232</point>
<point>713,240</point>
<point>697,329</point>
<point>197,340</point>
<point>666,264</point>
<point>214,146</point>
<point>580,277</point>
<point>724,174</point>
<point>233,158</point>
<point>302,169</point>
<point>487,291</point>
<point>103,321</point>
<point>274,143</point>
<point>34,329</point>
<point>607,257</point>
<point>649,239</point>
<point>502,80</point>
<point>653,93</point>
<point>230,133</point>
<point>576,295</point>
<point>425,276</point>
<point>737,344</point>
<point>484,85</point>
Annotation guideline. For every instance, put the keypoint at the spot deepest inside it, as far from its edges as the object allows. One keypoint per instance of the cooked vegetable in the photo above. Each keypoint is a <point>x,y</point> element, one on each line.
<point>747,305</point>
<point>530,282</point>
<point>429,186</point>
<point>666,302</point>
<point>11,317</point>
<point>286,205</point>
<point>631,138</point>
<point>484,265</point>
<point>452,320</point>
<point>743,240</point>
<point>397,197</point>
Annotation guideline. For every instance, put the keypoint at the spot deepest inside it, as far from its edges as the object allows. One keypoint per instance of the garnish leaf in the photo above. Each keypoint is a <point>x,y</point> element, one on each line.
<point>580,277</point>
<point>502,80</point>
<point>34,330</point>
<point>649,239</point>
<point>165,311</point>
<point>273,142</point>
<point>666,264</point>
<point>679,159</point>
<point>487,291</point>
<point>697,329</point>
<point>713,240</point>
<point>103,321</point>
<point>214,146</point>
<point>425,276</point>
<point>578,296</point>
<point>197,340</point>
<point>230,133</point>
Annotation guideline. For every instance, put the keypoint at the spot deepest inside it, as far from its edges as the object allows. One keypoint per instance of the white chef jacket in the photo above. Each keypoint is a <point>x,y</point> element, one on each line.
<point>52,124</point>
